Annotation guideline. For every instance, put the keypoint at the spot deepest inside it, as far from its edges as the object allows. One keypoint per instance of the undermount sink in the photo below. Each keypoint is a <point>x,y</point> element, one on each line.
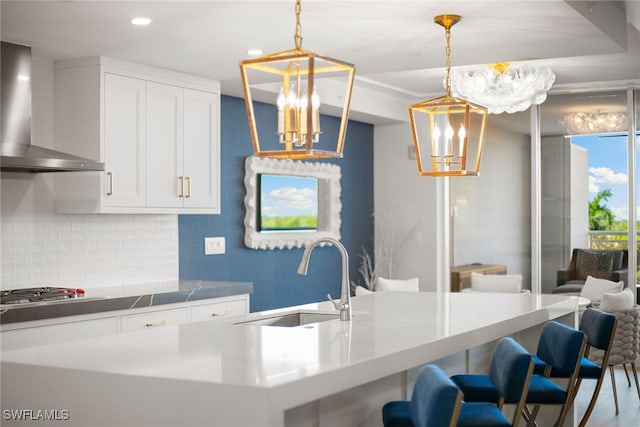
<point>292,319</point>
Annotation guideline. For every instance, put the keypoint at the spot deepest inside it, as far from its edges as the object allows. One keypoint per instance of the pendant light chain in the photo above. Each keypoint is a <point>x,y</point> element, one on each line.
<point>298,36</point>
<point>448,62</point>
<point>447,21</point>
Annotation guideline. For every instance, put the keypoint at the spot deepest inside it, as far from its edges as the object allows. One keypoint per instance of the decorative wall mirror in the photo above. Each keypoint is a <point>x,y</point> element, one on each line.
<point>290,203</point>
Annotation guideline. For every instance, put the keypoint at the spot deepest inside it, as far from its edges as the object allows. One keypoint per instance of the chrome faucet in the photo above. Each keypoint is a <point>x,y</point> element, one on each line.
<point>344,305</point>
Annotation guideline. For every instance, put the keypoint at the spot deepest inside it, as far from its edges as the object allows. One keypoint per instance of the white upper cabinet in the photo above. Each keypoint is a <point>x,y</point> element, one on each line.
<point>165,151</point>
<point>124,141</point>
<point>156,131</point>
<point>182,154</point>
<point>201,154</point>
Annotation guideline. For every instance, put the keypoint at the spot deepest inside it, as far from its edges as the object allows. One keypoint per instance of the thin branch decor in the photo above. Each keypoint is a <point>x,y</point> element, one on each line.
<point>385,254</point>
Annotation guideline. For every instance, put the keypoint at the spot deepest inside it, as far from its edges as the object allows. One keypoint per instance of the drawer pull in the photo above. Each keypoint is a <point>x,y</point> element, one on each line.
<point>222,313</point>
<point>153,324</point>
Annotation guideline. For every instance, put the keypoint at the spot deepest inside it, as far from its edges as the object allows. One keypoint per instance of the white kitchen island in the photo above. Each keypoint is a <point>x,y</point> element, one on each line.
<point>225,374</point>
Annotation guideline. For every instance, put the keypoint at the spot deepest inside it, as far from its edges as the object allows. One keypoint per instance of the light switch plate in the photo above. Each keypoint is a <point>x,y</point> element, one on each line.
<point>214,245</point>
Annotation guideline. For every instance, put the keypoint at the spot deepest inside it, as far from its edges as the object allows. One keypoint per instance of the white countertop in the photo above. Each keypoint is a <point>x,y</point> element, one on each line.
<point>390,332</point>
<point>123,297</point>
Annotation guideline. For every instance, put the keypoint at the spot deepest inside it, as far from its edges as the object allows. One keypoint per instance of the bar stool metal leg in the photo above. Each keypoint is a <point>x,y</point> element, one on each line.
<point>635,377</point>
<point>613,386</point>
<point>624,366</point>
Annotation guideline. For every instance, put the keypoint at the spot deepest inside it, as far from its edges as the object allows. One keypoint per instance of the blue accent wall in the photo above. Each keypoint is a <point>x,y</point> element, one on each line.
<point>273,272</point>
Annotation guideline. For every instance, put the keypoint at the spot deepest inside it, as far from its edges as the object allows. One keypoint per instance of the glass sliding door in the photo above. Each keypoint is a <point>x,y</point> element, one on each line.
<point>634,127</point>
<point>584,181</point>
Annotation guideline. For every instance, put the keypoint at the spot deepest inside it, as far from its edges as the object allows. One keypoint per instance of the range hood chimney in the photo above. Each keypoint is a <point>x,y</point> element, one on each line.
<point>18,154</point>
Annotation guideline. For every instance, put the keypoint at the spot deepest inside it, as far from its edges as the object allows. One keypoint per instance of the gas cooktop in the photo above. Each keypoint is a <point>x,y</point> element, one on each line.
<point>41,294</point>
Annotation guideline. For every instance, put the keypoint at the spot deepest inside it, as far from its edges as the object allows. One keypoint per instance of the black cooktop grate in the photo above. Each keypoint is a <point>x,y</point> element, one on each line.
<point>38,294</point>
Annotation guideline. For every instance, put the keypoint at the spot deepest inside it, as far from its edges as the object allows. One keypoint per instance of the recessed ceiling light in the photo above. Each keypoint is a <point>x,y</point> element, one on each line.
<point>141,21</point>
<point>254,52</point>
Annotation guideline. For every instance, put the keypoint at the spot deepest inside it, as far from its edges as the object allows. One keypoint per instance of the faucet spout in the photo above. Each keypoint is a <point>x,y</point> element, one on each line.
<point>344,305</point>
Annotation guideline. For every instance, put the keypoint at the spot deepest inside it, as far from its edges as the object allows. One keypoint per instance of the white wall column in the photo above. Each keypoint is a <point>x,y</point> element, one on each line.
<point>632,188</point>
<point>536,202</point>
<point>443,234</point>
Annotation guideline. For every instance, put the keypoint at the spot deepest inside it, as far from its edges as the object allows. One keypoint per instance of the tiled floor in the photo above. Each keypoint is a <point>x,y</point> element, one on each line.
<point>604,414</point>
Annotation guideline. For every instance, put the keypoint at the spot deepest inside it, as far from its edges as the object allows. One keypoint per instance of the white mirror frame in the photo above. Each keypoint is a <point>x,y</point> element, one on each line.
<point>329,204</point>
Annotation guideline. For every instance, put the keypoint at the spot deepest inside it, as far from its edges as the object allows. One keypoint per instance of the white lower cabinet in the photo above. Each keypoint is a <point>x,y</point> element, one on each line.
<point>154,319</point>
<point>49,334</point>
<point>29,334</point>
<point>231,307</point>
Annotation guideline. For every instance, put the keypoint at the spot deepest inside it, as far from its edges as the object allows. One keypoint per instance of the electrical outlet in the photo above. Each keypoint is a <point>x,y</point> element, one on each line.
<point>214,245</point>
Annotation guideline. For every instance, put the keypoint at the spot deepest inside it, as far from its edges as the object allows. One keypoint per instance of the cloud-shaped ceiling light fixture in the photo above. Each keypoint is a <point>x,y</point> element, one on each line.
<point>504,87</point>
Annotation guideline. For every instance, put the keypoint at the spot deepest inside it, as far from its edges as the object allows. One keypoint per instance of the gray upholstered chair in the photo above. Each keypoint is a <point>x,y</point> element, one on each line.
<point>625,348</point>
<point>610,264</point>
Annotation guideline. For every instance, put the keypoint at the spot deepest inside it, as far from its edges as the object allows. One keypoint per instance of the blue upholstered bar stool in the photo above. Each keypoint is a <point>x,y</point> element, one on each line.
<point>600,329</point>
<point>559,346</point>
<point>510,372</point>
<point>435,402</point>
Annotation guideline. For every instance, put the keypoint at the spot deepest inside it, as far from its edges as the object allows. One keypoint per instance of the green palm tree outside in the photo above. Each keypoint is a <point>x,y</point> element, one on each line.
<point>600,216</point>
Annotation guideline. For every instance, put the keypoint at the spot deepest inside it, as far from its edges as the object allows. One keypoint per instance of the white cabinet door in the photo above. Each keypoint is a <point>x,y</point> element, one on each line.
<point>156,130</point>
<point>124,141</point>
<point>166,185</point>
<point>182,148</point>
<point>154,319</point>
<point>216,310</point>
<point>63,332</point>
<point>201,150</point>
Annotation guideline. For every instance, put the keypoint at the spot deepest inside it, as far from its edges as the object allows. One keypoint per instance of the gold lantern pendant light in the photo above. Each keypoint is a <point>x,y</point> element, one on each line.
<point>295,79</point>
<point>448,132</point>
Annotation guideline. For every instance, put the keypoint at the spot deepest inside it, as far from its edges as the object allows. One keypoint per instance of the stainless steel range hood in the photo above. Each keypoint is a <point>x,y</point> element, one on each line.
<point>18,154</point>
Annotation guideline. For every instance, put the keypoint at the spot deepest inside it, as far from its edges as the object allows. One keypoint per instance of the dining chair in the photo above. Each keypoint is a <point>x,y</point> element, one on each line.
<point>505,283</point>
<point>435,402</point>
<point>624,349</point>
<point>600,329</point>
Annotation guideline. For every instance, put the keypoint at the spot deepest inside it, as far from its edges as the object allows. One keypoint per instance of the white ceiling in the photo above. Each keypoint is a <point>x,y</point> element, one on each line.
<point>394,45</point>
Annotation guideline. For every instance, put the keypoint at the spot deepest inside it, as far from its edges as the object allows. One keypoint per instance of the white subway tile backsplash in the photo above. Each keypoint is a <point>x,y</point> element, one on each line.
<point>40,247</point>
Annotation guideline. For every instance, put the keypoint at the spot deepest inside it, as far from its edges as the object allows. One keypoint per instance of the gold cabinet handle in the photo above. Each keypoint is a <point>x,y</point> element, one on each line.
<point>110,178</point>
<point>153,324</point>
<point>223,313</point>
<point>188,178</point>
<point>181,186</point>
